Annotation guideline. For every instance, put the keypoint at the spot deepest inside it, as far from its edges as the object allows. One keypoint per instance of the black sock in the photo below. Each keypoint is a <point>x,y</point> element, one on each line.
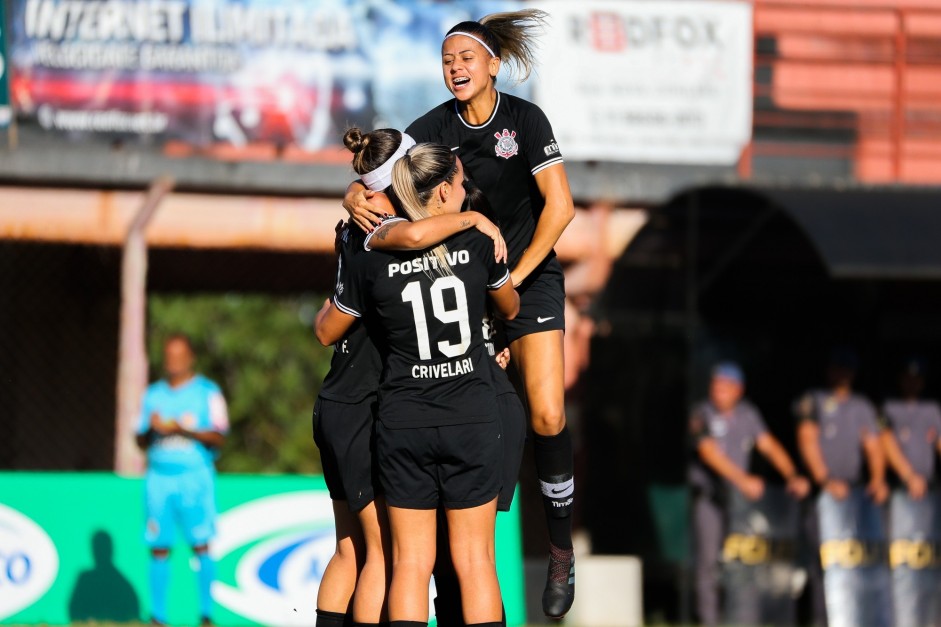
<point>407,623</point>
<point>555,469</point>
<point>493,624</point>
<point>448,609</point>
<point>448,601</point>
<point>330,619</point>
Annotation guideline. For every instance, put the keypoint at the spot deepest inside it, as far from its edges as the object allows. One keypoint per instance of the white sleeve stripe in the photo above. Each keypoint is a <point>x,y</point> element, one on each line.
<point>499,284</point>
<point>347,310</point>
<point>543,166</point>
<point>386,221</point>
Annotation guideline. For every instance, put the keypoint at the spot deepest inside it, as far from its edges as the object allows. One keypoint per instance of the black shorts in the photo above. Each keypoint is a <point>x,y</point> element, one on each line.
<point>513,419</point>
<point>542,303</point>
<point>344,434</point>
<point>458,466</point>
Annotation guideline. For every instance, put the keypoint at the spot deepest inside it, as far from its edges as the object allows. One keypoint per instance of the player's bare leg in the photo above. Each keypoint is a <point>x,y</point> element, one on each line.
<point>539,357</point>
<point>471,538</point>
<point>413,558</point>
<point>334,599</point>
<point>370,601</point>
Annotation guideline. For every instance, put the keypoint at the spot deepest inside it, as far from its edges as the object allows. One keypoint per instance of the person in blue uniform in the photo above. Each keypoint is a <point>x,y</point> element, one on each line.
<point>509,151</point>
<point>438,436</point>
<point>183,424</point>
<point>725,429</point>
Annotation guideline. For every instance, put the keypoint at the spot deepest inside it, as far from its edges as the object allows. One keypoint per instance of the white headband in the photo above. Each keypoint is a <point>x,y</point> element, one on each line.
<point>475,38</point>
<point>381,177</point>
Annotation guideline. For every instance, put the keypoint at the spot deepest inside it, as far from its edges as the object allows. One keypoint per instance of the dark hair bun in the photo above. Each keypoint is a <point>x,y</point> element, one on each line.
<point>355,140</point>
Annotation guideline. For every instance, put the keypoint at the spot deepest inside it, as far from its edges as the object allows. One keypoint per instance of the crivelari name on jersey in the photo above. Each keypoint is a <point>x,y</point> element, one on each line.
<point>444,370</point>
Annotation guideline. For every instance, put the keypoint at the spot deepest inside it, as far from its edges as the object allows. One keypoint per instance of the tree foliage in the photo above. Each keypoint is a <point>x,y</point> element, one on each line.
<point>262,351</point>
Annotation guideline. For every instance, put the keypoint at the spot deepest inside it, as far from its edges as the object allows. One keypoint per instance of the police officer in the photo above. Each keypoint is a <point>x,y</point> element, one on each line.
<point>724,430</point>
<point>836,429</point>
<point>910,437</point>
<point>912,431</point>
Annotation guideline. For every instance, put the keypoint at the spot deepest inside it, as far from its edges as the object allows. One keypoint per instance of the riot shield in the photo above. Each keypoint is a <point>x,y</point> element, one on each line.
<point>915,558</point>
<point>856,579</point>
<point>759,574</point>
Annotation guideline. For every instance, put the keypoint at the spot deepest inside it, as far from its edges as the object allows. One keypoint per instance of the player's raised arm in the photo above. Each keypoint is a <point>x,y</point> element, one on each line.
<point>401,234</point>
<point>365,214</point>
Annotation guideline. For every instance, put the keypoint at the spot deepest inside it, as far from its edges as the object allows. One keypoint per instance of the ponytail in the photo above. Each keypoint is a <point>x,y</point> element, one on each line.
<point>415,180</point>
<point>511,36</point>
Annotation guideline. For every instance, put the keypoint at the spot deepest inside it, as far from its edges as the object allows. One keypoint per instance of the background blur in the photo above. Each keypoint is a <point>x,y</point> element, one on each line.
<point>755,181</point>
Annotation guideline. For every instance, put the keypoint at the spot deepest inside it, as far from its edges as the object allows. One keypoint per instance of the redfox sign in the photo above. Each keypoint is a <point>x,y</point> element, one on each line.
<point>648,81</point>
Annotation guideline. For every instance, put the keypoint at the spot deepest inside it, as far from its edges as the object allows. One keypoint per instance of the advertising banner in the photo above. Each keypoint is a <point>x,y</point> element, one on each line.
<point>853,554</point>
<point>287,72</point>
<point>915,558</point>
<point>6,114</point>
<point>648,81</point>
<point>760,577</point>
<point>72,549</point>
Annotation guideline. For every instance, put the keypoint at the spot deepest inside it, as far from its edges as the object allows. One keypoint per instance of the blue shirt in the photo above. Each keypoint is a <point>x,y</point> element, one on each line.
<point>197,405</point>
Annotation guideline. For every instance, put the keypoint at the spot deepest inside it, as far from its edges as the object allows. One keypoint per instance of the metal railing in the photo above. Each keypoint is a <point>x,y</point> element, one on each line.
<point>860,83</point>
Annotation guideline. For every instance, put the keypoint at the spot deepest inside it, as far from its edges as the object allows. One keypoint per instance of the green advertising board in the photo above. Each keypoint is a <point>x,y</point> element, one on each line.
<point>71,549</point>
<point>6,114</point>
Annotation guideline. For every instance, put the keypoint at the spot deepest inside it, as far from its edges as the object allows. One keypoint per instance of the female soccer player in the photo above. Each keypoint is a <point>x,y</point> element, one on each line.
<point>345,408</point>
<point>438,435</point>
<point>510,152</point>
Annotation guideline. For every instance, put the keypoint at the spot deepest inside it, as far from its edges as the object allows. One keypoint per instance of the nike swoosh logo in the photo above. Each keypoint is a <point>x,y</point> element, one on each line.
<point>565,489</point>
<point>540,320</point>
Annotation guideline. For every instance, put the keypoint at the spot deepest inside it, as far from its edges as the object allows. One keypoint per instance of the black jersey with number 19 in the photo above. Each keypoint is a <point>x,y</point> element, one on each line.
<point>501,156</point>
<point>437,369</point>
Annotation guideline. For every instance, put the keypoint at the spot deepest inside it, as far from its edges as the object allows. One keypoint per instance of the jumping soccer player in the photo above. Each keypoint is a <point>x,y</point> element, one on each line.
<point>183,423</point>
<point>438,435</point>
<point>509,151</point>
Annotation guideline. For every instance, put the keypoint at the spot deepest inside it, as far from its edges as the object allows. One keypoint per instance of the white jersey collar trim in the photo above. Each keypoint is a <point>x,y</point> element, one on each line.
<point>496,107</point>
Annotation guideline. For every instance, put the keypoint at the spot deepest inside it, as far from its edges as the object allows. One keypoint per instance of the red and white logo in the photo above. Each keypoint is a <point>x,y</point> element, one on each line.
<point>506,144</point>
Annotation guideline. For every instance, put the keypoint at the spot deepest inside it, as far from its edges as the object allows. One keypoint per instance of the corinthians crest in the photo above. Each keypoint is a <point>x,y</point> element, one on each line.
<point>506,144</point>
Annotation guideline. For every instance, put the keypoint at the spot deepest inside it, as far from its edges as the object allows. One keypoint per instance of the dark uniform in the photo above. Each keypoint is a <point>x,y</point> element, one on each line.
<point>501,156</point>
<point>345,410</point>
<point>915,524</point>
<point>438,435</point>
<point>512,413</point>
<point>735,435</point>
<point>844,425</point>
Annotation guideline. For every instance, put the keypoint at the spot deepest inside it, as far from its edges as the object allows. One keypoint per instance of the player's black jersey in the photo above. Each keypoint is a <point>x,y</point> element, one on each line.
<point>356,363</point>
<point>437,369</point>
<point>495,342</point>
<point>501,156</point>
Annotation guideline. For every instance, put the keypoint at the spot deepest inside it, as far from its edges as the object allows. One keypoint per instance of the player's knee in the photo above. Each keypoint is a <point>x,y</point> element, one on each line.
<point>474,564</point>
<point>160,553</point>
<point>548,420</point>
<point>201,549</point>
